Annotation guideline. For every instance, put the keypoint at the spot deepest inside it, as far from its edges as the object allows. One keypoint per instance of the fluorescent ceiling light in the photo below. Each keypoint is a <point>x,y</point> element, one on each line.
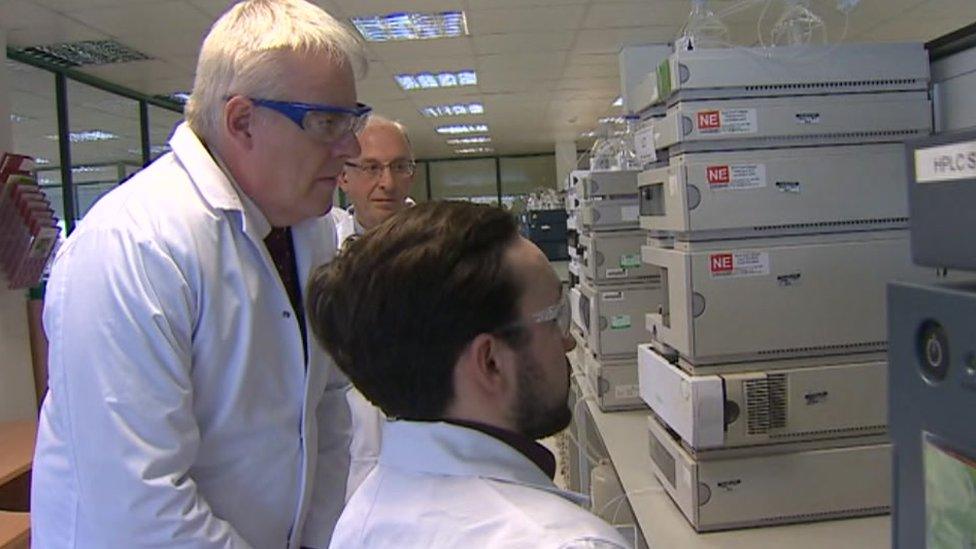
<point>411,26</point>
<point>612,120</point>
<point>459,109</point>
<point>475,150</point>
<point>111,170</point>
<point>153,150</point>
<point>469,140</point>
<point>618,102</point>
<point>590,133</point>
<point>17,118</point>
<point>462,128</point>
<point>40,161</point>
<point>87,136</point>
<point>428,80</point>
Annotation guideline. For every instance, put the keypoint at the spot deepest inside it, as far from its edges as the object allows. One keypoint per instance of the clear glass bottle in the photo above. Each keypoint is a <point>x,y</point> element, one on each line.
<point>798,25</point>
<point>703,29</point>
<point>603,152</point>
<point>627,151</point>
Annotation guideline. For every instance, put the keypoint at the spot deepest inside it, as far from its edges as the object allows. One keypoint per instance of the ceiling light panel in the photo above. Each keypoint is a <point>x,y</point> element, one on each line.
<point>475,150</point>
<point>469,140</point>
<point>411,26</point>
<point>460,109</point>
<point>87,136</point>
<point>462,128</point>
<point>618,102</point>
<point>84,53</point>
<point>428,80</point>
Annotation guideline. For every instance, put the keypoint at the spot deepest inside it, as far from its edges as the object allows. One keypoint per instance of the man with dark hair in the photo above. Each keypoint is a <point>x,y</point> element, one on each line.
<point>457,328</point>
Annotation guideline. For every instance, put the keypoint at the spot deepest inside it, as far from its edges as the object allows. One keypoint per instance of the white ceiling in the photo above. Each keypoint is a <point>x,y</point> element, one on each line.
<point>547,69</point>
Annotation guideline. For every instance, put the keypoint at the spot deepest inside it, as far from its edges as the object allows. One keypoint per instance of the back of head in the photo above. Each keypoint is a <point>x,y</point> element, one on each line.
<point>400,304</point>
<point>240,54</point>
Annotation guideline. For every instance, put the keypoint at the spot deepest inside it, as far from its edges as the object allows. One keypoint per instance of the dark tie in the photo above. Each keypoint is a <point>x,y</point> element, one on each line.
<point>282,250</point>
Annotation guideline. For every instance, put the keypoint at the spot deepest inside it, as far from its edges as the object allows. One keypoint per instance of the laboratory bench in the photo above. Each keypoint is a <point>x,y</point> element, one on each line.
<point>624,438</point>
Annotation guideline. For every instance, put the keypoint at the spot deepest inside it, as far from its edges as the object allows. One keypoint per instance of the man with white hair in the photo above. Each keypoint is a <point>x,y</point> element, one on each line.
<point>188,406</point>
<point>378,182</point>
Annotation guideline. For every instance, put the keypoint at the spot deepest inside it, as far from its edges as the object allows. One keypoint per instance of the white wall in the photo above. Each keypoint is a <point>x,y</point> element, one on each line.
<point>17,400</point>
<point>565,161</point>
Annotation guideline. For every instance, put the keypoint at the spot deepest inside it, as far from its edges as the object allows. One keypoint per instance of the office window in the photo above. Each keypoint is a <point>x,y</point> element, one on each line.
<point>419,190</point>
<point>162,122</point>
<point>105,142</point>
<point>472,180</point>
<point>33,117</point>
<point>526,174</point>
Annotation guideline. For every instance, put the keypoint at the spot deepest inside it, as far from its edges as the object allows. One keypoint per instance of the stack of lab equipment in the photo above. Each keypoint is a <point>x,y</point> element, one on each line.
<point>775,219</point>
<point>612,288</point>
<point>932,354</point>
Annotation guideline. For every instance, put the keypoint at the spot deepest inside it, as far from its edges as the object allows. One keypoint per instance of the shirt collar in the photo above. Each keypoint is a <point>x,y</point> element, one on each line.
<point>214,181</point>
<point>531,449</point>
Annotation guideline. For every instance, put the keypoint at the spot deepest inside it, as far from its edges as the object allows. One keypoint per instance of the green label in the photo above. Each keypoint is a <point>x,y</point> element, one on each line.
<point>629,261</point>
<point>620,322</point>
<point>664,80</point>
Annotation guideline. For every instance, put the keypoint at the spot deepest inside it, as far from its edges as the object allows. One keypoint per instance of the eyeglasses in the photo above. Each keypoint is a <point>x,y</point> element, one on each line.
<point>558,312</point>
<point>374,170</point>
<point>324,123</point>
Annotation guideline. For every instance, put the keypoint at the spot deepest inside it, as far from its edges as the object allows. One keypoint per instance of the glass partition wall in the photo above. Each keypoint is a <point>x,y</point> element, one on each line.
<point>111,132</point>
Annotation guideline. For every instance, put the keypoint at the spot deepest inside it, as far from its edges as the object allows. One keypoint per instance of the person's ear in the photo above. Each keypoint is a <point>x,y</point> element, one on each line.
<point>238,118</point>
<point>491,367</point>
<point>344,180</point>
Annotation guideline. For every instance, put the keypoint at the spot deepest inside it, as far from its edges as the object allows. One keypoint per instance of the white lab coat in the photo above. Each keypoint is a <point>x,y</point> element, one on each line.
<point>367,420</point>
<point>345,225</point>
<point>439,485</point>
<point>182,412</point>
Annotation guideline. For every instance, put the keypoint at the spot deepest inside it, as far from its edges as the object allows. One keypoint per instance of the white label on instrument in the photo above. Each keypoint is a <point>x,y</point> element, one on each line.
<point>644,145</point>
<point>613,296</point>
<point>722,121</point>
<point>738,264</point>
<point>736,176</point>
<point>626,391</point>
<point>616,273</point>
<point>946,163</point>
<point>629,213</point>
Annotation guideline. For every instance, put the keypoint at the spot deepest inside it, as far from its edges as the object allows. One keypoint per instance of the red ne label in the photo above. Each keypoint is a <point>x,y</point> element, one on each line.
<point>721,263</point>
<point>718,175</point>
<point>709,120</point>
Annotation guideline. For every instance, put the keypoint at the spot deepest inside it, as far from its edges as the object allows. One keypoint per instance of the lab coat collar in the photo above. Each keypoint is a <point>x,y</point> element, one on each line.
<point>214,181</point>
<point>445,449</point>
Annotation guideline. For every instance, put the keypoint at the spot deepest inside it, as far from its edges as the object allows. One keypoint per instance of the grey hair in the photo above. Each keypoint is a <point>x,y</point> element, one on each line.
<point>242,54</point>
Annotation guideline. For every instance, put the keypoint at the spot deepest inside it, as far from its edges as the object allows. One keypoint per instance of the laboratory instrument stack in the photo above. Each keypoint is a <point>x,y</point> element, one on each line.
<point>28,228</point>
<point>612,288</point>
<point>776,216</point>
<point>932,354</point>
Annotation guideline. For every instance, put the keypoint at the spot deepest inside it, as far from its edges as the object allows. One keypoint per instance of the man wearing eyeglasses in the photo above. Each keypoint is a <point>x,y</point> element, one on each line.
<point>466,353</point>
<point>187,406</point>
<point>378,181</point>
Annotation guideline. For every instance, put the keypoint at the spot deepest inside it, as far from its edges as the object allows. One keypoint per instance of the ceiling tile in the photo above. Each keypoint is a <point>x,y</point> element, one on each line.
<point>658,13</point>
<point>425,52</point>
<point>518,43</point>
<point>527,19</point>
<point>611,40</point>
<point>28,24</point>
<point>173,27</point>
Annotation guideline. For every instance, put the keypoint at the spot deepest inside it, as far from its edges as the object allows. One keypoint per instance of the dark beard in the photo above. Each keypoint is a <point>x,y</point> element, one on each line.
<point>533,417</point>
